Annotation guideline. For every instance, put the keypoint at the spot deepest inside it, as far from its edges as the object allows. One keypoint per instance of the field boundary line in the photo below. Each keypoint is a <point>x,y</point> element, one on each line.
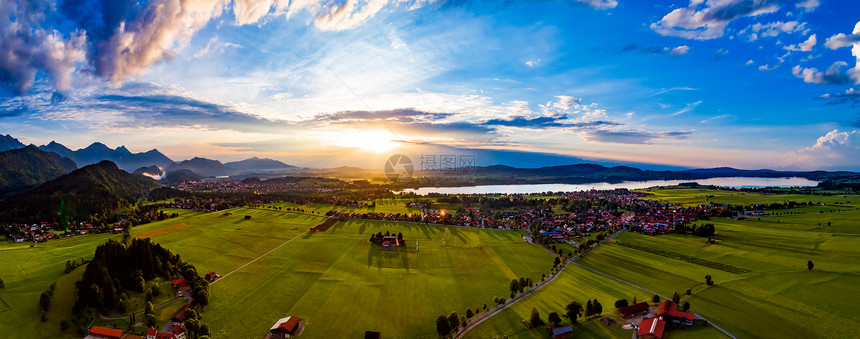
<point>662,296</point>
<point>258,258</point>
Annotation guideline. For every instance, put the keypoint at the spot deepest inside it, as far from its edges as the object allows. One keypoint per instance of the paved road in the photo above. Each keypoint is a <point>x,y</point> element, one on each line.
<point>484,316</point>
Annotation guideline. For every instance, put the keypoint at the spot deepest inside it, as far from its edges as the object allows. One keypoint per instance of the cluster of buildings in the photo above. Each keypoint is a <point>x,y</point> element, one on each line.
<point>666,316</point>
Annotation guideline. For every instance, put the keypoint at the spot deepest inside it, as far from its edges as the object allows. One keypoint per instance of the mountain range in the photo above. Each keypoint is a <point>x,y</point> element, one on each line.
<point>121,156</point>
<point>101,189</point>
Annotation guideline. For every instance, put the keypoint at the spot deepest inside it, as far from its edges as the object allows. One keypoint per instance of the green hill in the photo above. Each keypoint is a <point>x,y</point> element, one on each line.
<point>29,167</point>
<point>101,188</point>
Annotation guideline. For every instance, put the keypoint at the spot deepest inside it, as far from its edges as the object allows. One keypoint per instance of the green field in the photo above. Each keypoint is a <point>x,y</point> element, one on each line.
<point>697,196</point>
<point>778,298</point>
<point>325,277</point>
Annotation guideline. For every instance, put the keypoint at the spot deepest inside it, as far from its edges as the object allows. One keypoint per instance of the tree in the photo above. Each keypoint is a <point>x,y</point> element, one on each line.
<point>597,308</point>
<point>634,300</point>
<point>708,280</point>
<point>515,286</point>
<point>442,326</point>
<point>150,319</point>
<point>535,319</point>
<point>686,306</point>
<point>655,299</point>
<point>589,309</point>
<point>554,319</point>
<point>45,301</point>
<point>621,303</point>
<point>485,306</point>
<point>572,311</point>
<point>555,262</point>
<point>469,313</point>
<point>464,322</point>
<point>2,284</point>
<point>810,265</point>
<point>676,298</point>
<point>453,320</point>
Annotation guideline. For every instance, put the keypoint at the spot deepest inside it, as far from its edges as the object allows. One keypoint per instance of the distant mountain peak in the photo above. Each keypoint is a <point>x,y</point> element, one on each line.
<point>7,142</point>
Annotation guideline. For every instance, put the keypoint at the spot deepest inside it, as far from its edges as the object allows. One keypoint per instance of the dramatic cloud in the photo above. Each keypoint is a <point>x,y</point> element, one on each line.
<point>849,96</point>
<point>632,136</point>
<point>805,46</point>
<point>26,48</point>
<point>546,122</point>
<point>120,39</point>
<point>397,115</point>
<point>833,75</point>
<point>705,20</point>
<point>836,149</point>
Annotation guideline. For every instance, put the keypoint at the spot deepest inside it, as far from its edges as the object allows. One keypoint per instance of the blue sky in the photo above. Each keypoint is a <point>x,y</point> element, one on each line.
<point>701,83</point>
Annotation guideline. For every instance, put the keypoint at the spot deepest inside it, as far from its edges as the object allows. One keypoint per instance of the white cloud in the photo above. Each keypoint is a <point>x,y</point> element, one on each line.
<point>533,63</point>
<point>805,46</point>
<point>772,29</point>
<point>749,62</point>
<point>842,40</point>
<point>836,149</point>
<point>600,4</point>
<point>808,5</point>
<point>689,107</point>
<point>723,116</point>
<point>680,50</point>
<point>767,67</point>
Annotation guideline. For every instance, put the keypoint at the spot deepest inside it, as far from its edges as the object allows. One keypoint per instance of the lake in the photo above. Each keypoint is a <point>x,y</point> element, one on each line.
<point>733,182</point>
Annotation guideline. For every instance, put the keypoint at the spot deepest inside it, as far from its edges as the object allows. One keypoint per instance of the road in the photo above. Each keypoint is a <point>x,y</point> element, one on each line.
<point>484,316</point>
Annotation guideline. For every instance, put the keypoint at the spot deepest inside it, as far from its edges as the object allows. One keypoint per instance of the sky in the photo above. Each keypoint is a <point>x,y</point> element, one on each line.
<point>690,83</point>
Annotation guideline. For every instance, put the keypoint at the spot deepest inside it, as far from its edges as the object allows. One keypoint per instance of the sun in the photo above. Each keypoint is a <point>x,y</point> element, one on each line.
<point>376,141</point>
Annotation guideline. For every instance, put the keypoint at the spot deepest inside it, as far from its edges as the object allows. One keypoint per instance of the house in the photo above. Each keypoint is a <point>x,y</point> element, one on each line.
<point>668,311</point>
<point>629,311</point>
<point>180,315</point>
<point>104,332</point>
<point>181,282</point>
<point>285,327</point>
<point>561,332</point>
<point>372,335</point>
<point>178,332</point>
<point>651,328</point>
<point>211,276</point>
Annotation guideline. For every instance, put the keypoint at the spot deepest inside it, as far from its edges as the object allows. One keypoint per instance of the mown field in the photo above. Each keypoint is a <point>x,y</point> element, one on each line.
<point>326,277</point>
<point>777,298</point>
<point>574,284</point>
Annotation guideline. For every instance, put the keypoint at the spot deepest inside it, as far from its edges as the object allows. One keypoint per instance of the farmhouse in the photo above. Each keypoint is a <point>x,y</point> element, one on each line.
<point>632,310</point>
<point>104,332</point>
<point>211,276</point>
<point>178,332</point>
<point>285,327</point>
<point>668,312</point>
<point>651,328</point>
<point>181,282</point>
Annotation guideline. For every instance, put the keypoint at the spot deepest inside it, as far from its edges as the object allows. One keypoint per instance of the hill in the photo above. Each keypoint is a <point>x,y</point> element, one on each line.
<point>101,188</point>
<point>121,156</point>
<point>258,164</point>
<point>29,167</point>
<point>203,167</point>
<point>7,142</point>
<point>175,177</point>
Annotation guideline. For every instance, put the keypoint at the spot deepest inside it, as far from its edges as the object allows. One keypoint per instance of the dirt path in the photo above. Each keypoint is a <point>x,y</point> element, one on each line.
<point>265,254</point>
<point>258,258</point>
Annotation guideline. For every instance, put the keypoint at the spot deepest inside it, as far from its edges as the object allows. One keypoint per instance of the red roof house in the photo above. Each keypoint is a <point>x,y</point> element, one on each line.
<point>629,311</point>
<point>285,327</point>
<point>651,328</point>
<point>668,311</point>
<point>104,332</point>
<point>180,282</point>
